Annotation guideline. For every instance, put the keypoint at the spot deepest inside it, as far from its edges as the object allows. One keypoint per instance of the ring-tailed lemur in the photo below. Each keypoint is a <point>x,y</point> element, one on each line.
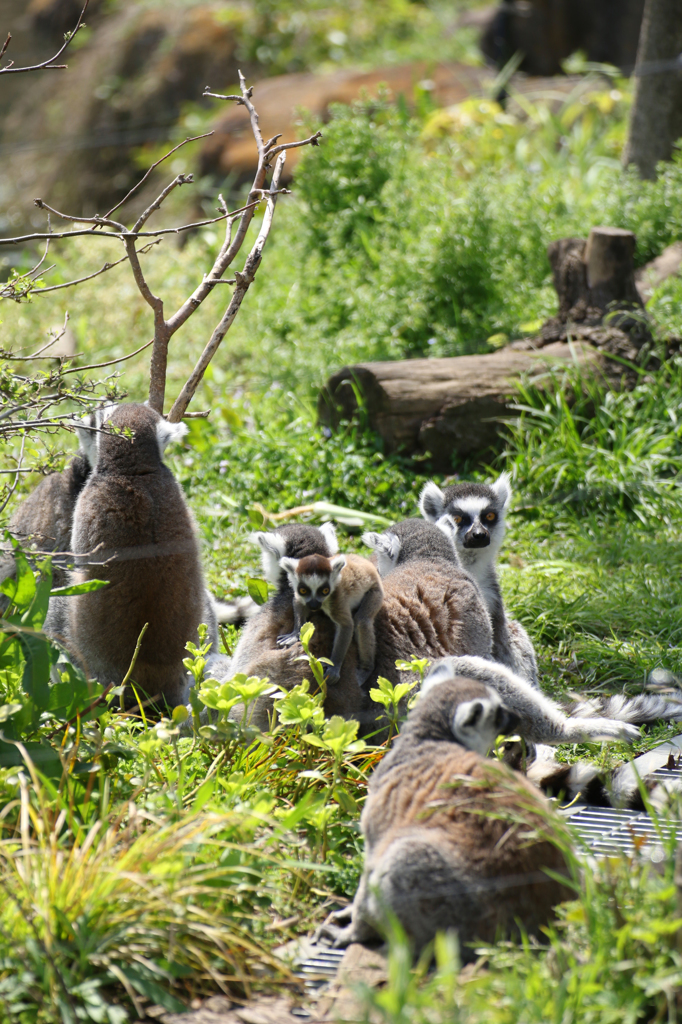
<point>541,720</point>
<point>431,608</point>
<point>453,840</point>
<point>477,515</point>
<point>132,527</point>
<point>410,540</point>
<point>348,590</point>
<point>258,652</point>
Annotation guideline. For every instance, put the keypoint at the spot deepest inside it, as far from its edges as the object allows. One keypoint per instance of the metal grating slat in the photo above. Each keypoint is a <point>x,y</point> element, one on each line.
<point>608,831</point>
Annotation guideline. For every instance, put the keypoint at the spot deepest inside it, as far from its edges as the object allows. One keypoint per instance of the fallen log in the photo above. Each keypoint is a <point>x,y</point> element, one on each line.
<point>449,407</point>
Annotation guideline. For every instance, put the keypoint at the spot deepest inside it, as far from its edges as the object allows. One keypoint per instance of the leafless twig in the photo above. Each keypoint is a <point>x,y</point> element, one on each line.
<point>48,64</point>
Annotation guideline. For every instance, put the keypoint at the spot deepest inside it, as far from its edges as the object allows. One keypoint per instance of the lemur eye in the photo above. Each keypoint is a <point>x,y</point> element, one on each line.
<point>325,590</point>
<point>303,591</point>
<point>457,519</point>
<point>490,517</point>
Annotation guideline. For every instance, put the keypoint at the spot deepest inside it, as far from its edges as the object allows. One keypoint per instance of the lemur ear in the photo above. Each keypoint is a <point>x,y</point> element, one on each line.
<point>290,565</point>
<point>338,562</point>
<point>432,502</point>
<point>167,432</point>
<point>502,488</point>
<point>273,547</point>
<point>440,672</point>
<point>328,531</point>
<point>89,437</point>
<point>387,547</point>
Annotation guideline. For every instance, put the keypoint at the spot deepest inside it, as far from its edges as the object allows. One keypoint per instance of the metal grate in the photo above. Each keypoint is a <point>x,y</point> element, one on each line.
<point>607,831</point>
<point>319,967</point>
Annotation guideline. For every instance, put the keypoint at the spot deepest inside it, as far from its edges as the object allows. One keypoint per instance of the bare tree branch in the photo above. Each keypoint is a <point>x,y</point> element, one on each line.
<point>49,64</point>
<point>244,280</point>
<point>153,167</point>
<point>24,411</point>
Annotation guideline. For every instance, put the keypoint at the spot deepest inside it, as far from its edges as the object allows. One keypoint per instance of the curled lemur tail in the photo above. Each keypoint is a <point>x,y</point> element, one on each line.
<point>586,784</point>
<point>234,613</point>
<point>641,710</point>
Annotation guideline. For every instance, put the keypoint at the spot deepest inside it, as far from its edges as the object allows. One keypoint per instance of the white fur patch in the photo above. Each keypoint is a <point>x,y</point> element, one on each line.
<point>502,488</point>
<point>387,547</point>
<point>272,548</point>
<point>328,531</point>
<point>473,723</point>
<point>89,437</point>
<point>473,505</point>
<point>431,502</point>
<point>167,432</point>
<point>338,565</point>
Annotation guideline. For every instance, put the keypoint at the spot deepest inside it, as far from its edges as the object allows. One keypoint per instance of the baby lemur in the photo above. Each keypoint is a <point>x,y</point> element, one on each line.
<point>348,589</point>
<point>452,839</point>
<point>476,514</point>
<point>132,527</point>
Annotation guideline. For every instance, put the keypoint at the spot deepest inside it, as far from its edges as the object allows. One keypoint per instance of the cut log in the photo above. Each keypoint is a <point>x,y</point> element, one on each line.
<point>594,279</point>
<point>452,407</point>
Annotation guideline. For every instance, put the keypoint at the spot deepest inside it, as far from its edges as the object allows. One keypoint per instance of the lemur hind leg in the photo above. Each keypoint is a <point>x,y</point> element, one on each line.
<point>363,619</point>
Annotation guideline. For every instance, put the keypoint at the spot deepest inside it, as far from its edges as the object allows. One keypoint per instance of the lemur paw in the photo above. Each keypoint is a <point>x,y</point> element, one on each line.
<point>287,639</point>
<point>332,674</point>
<point>337,930</point>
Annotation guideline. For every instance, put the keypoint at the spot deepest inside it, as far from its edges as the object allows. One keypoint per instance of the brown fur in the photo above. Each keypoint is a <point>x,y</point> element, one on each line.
<point>453,840</point>
<point>44,519</point>
<point>429,609</point>
<point>133,511</point>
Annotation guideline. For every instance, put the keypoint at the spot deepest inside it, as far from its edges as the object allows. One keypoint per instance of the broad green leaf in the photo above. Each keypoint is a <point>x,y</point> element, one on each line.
<point>258,590</point>
<point>40,655</point>
<point>204,794</point>
<point>345,800</point>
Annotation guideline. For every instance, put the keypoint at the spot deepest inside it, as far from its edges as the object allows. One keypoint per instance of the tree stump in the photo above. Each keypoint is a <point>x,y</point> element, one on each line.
<point>595,279</point>
<point>451,406</point>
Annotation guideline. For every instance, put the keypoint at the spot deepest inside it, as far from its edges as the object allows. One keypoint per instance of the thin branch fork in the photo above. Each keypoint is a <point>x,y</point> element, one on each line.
<point>48,64</point>
<point>244,281</point>
<point>228,252</point>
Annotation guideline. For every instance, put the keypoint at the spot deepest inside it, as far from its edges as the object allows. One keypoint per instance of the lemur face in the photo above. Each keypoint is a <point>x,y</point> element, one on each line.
<point>476,724</point>
<point>313,579</point>
<point>475,512</point>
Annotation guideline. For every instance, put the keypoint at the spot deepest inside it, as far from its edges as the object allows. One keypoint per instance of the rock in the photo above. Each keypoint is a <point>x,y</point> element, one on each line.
<point>74,137</point>
<point>546,32</point>
<point>231,148</point>
<point>653,274</point>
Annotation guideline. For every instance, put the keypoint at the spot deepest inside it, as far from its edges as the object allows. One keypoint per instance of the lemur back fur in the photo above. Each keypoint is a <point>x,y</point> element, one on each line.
<point>132,527</point>
<point>448,833</point>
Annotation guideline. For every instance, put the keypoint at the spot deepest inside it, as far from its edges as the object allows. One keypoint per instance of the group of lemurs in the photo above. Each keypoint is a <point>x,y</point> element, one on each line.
<point>453,839</point>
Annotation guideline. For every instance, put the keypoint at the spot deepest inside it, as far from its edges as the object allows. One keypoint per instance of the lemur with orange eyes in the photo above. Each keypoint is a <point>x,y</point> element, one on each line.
<point>476,514</point>
<point>348,590</point>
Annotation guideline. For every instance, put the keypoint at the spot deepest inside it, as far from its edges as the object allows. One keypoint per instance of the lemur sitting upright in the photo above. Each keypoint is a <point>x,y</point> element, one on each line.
<point>348,589</point>
<point>476,514</point>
